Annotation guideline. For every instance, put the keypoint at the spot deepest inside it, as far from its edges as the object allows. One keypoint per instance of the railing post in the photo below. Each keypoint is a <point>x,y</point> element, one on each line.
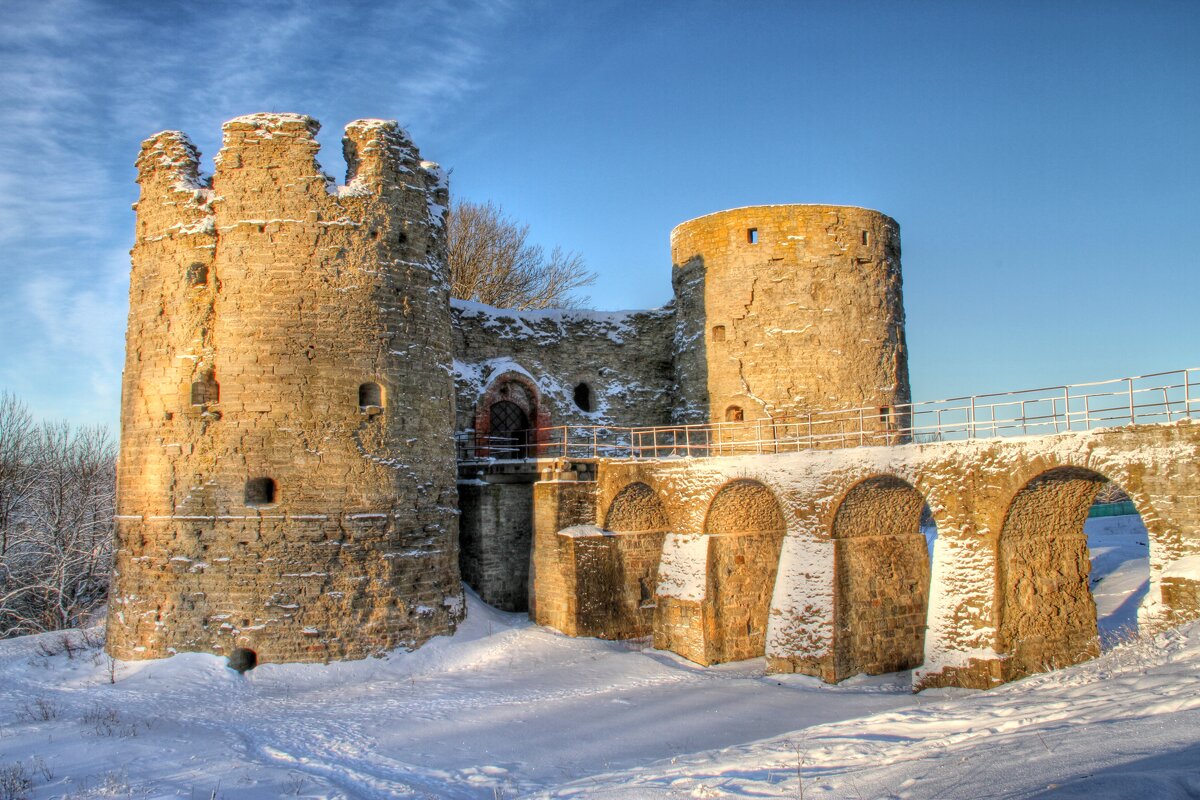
<point>1067,407</point>
<point>810,439</point>
<point>1187,394</point>
<point>1132,411</point>
<point>1087,412</point>
<point>971,421</point>
<point>861,432</point>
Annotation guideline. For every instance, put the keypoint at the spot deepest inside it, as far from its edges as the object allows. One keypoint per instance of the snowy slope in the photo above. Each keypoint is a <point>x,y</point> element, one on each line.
<point>506,709</point>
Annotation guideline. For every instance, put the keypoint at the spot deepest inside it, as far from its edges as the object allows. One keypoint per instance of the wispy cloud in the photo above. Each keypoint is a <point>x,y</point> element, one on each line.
<point>83,81</point>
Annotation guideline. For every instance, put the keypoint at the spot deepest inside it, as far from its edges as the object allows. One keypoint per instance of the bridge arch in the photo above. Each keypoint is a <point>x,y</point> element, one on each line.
<point>636,507</point>
<point>1046,615</point>
<point>745,526</point>
<point>639,513</point>
<point>881,577</point>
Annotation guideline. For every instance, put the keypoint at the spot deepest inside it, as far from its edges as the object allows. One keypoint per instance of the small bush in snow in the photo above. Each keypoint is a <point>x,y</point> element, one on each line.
<point>15,782</point>
<point>39,710</point>
<point>105,721</point>
<point>294,784</point>
<point>110,784</point>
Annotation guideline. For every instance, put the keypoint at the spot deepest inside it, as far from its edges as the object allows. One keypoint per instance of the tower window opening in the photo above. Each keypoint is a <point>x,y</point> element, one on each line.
<point>205,391</point>
<point>718,333</point>
<point>370,398</point>
<point>752,235</point>
<point>866,237</point>
<point>583,397</point>
<point>197,274</point>
<point>885,415</point>
<point>260,492</point>
<point>734,414</point>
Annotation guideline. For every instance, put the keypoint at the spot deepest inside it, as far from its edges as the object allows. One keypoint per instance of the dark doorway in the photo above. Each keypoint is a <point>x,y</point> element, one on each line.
<point>509,430</point>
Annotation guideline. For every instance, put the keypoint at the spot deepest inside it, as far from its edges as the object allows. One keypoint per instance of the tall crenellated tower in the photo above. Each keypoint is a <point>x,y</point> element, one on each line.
<point>789,310</point>
<point>286,482</point>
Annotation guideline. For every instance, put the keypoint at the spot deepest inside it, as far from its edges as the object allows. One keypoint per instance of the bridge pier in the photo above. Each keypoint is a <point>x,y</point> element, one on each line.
<point>650,547</point>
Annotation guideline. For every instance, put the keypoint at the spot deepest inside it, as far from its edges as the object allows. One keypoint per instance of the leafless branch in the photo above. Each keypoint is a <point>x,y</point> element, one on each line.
<point>56,507</point>
<point>492,261</point>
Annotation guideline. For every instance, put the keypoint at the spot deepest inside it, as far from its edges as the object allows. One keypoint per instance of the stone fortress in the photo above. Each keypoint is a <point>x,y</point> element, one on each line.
<point>290,483</point>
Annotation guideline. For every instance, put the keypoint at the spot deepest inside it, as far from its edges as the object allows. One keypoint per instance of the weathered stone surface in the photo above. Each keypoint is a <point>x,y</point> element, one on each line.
<point>745,527</point>
<point>287,482</point>
<point>809,318</point>
<point>624,358</point>
<point>802,312</point>
<point>495,533</point>
<point>882,579</point>
<point>262,502</point>
<point>1009,588</point>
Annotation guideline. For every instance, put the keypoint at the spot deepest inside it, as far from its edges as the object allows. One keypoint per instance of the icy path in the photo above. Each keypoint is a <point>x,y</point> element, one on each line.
<point>505,709</point>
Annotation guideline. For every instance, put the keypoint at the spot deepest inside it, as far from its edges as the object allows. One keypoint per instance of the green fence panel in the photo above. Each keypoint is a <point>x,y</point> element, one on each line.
<point>1121,509</point>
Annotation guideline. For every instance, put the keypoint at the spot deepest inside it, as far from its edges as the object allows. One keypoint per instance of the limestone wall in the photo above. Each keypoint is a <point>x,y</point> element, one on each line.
<point>285,480</point>
<point>624,358</point>
<point>852,590</point>
<point>787,310</point>
<point>496,529</point>
<point>881,579</point>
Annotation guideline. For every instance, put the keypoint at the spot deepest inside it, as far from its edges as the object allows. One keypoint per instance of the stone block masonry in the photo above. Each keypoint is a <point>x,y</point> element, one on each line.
<point>815,560</point>
<point>789,310</point>
<point>286,483</point>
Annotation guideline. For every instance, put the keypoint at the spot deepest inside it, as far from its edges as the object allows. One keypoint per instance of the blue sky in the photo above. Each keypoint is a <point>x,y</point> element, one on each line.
<point>1041,158</point>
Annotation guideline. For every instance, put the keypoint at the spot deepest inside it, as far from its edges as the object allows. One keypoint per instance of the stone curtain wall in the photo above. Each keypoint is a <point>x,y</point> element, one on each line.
<point>623,357</point>
<point>789,309</point>
<point>495,539</point>
<point>808,317</point>
<point>851,568</point>
<point>275,509</point>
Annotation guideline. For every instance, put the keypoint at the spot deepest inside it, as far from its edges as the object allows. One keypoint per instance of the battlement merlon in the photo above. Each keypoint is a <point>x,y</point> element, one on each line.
<point>169,175</point>
<point>267,168</point>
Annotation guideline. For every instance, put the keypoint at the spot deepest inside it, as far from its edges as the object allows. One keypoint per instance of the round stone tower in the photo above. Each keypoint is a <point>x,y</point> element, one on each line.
<point>790,310</point>
<point>286,482</point>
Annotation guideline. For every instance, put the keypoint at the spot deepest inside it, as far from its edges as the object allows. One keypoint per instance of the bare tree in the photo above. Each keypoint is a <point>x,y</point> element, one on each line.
<point>492,261</point>
<point>59,498</point>
<point>16,476</point>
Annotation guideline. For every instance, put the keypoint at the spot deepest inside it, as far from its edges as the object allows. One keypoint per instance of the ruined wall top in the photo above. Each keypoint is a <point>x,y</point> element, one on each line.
<point>381,160</point>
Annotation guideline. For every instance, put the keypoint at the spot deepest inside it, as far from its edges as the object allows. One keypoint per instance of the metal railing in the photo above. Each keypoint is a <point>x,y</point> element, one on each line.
<point>1143,399</point>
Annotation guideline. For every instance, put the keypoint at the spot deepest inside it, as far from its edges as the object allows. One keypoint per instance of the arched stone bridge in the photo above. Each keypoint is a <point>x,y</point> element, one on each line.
<point>815,559</point>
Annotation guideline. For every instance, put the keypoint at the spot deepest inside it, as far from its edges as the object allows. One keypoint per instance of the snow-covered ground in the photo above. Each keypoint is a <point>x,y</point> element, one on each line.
<point>506,709</point>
